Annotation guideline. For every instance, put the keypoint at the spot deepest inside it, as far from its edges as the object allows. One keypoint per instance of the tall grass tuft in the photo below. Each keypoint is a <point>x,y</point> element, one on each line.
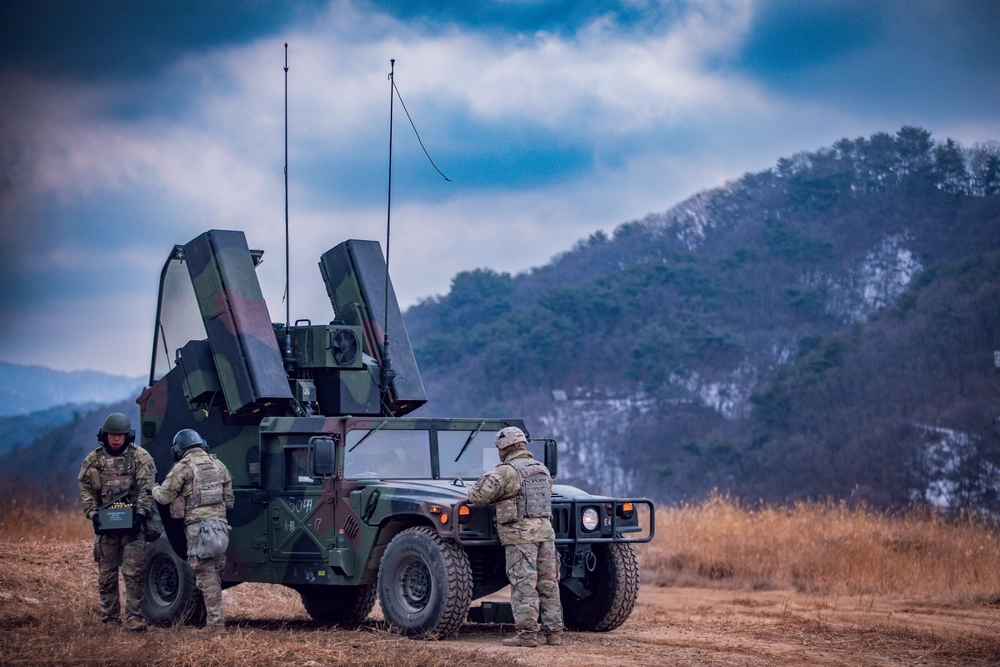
<point>826,547</point>
<point>29,513</point>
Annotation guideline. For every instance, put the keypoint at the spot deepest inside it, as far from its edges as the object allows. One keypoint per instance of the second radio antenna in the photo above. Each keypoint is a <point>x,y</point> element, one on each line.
<point>289,360</point>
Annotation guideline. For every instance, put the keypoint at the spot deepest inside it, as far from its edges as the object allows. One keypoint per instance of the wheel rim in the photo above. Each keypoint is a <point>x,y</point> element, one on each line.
<point>165,581</point>
<point>413,585</point>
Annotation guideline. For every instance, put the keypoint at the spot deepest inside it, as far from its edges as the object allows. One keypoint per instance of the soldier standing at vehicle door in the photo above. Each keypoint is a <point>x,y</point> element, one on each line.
<point>199,489</point>
<point>117,467</point>
<point>521,490</point>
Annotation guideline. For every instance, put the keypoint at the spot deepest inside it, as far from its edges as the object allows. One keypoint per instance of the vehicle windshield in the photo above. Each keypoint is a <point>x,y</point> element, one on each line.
<point>397,454</point>
<point>382,452</point>
<point>480,454</point>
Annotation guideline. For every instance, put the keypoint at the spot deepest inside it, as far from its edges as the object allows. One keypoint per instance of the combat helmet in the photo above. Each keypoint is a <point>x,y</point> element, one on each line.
<point>185,440</point>
<point>509,437</point>
<point>116,422</point>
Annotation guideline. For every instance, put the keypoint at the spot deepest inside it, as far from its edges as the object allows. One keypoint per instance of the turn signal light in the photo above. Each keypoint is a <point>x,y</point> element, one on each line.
<point>625,510</point>
<point>464,513</point>
<point>444,517</point>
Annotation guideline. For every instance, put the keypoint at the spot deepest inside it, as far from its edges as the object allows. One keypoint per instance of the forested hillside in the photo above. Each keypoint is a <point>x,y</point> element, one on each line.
<point>27,389</point>
<point>51,463</point>
<point>823,328</point>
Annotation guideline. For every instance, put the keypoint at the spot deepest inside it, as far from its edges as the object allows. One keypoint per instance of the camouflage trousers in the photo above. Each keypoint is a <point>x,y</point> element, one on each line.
<point>533,571</point>
<point>127,551</point>
<point>206,576</point>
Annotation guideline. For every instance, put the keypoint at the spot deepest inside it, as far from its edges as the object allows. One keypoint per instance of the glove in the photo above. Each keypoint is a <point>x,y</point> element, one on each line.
<point>94,521</point>
<point>139,524</point>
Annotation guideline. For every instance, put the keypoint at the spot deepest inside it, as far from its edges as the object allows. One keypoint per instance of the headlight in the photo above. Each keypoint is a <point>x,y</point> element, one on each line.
<point>590,519</point>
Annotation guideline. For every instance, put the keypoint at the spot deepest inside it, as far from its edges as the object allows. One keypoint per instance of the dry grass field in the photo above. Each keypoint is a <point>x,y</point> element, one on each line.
<point>827,548</point>
<point>723,585</point>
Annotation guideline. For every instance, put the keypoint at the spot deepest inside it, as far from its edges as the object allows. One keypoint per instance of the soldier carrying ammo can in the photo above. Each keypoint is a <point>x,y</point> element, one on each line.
<point>115,482</point>
<point>521,489</point>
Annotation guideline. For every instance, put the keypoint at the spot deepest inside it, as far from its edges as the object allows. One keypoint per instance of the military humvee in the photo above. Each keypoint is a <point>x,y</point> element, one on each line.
<point>338,495</point>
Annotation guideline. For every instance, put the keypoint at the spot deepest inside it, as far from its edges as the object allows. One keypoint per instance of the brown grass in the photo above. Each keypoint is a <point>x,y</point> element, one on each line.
<point>27,513</point>
<point>48,615</point>
<point>826,547</point>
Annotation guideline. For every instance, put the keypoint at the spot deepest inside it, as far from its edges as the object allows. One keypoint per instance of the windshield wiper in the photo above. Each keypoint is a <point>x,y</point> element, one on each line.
<point>472,436</point>
<point>366,436</point>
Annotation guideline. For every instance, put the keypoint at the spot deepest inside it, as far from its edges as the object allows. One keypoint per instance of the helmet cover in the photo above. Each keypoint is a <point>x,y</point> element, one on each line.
<point>509,437</point>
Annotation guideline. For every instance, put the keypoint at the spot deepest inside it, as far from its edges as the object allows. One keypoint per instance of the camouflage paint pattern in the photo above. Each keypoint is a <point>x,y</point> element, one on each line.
<point>247,358</point>
<point>502,483</point>
<point>206,576</point>
<point>180,482</point>
<point>235,391</point>
<point>99,484</point>
<point>123,550</point>
<point>533,571</point>
<point>354,273</point>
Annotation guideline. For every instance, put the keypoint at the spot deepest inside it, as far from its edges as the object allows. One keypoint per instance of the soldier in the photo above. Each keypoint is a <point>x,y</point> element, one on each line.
<point>199,488</point>
<point>116,467</point>
<point>521,489</point>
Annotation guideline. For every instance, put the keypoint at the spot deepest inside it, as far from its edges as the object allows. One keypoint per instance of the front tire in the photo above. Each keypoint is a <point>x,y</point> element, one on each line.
<point>424,584</point>
<point>614,586</point>
<point>343,605</point>
<point>170,595</point>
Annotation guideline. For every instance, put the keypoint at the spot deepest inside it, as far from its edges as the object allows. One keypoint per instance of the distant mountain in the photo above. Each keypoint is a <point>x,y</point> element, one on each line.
<point>52,461</point>
<point>27,389</point>
<point>21,430</point>
<point>825,328</point>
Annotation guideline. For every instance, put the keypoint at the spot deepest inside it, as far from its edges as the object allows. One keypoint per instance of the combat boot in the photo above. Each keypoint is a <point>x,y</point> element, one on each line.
<point>554,639</point>
<point>135,625</point>
<point>521,640</point>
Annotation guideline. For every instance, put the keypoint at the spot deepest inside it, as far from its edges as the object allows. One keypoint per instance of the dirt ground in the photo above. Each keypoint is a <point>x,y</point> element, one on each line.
<point>48,608</point>
<point>704,626</point>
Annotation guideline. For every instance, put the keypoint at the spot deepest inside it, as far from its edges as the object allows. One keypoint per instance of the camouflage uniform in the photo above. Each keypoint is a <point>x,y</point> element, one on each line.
<point>529,546</point>
<point>104,476</point>
<point>201,485</point>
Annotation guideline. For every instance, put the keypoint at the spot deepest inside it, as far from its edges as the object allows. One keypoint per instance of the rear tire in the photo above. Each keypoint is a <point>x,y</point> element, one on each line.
<point>424,584</point>
<point>343,605</point>
<point>614,584</point>
<point>170,595</point>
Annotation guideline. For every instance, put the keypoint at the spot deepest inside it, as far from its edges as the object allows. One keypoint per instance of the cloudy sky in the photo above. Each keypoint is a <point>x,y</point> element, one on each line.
<point>127,127</point>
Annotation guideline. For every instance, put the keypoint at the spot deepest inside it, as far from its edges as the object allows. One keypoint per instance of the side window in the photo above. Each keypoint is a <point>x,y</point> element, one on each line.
<point>297,471</point>
<point>404,454</point>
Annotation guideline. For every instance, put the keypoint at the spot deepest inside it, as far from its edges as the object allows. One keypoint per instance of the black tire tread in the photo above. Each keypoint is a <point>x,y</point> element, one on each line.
<point>329,604</point>
<point>626,590</point>
<point>456,600</point>
<point>624,580</point>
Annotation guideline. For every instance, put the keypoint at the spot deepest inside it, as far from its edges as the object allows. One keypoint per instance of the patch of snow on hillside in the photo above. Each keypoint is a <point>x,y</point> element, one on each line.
<point>690,219</point>
<point>591,428</point>
<point>883,275</point>
<point>729,397</point>
<point>947,458</point>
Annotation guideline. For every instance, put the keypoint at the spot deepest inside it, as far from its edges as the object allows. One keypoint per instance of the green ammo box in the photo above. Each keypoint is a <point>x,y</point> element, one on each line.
<point>115,515</point>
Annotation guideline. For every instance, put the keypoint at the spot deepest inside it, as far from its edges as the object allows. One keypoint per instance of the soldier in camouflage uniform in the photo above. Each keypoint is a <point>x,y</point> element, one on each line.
<point>521,489</point>
<point>115,467</point>
<point>199,489</point>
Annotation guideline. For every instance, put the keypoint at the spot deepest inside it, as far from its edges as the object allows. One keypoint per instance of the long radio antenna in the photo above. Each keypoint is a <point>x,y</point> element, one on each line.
<point>387,372</point>
<point>288,305</point>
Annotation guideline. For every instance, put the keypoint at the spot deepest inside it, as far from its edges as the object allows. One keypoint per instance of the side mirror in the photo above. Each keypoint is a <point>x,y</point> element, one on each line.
<point>552,457</point>
<point>324,457</point>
